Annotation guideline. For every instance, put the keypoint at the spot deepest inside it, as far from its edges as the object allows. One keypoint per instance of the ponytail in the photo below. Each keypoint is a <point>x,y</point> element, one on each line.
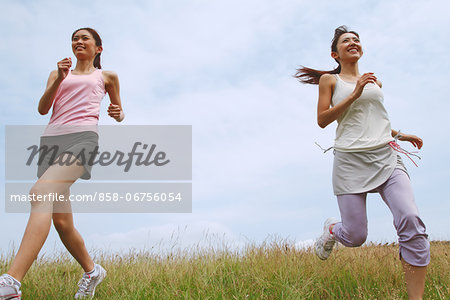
<point>312,76</point>
<point>97,61</point>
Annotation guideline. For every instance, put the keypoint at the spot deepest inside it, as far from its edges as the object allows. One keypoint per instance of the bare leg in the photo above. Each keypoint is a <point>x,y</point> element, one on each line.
<point>39,222</point>
<point>71,238</point>
<point>33,239</point>
<point>415,280</point>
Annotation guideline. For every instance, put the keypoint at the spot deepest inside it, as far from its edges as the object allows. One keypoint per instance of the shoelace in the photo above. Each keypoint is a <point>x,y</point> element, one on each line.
<point>6,281</point>
<point>399,149</point>
<point>83,284</point>
<point>324,150</point>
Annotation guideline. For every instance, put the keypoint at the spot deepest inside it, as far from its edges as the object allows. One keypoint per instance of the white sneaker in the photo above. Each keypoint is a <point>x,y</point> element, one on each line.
<point>88,283</point>
<point>325,243</point>
<point>8,288</point>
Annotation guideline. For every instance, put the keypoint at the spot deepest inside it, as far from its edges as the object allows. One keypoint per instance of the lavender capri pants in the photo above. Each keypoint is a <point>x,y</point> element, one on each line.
<point>397,194</point>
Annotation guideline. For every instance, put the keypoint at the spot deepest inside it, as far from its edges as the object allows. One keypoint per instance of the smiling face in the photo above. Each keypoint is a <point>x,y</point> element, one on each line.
<point>349,48</point>
<point>84,46</point>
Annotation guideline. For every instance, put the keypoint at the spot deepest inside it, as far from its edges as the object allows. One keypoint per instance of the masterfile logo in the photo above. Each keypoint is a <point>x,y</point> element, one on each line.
<point>142,169</point>
<point>141,152</point>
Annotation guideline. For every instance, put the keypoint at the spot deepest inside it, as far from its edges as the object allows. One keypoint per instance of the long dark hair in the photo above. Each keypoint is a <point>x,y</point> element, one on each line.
<point>312,76</point>
<point>98,42</point>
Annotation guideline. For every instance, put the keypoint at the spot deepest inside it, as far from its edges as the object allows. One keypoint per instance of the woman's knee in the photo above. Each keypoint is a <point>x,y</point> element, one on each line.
<point>62,223</point>
<point>42,191</point>
<point>358,238</point>
<point>355,236</point>
<point>352,237</point>
<point>37,190</point>
<point>40,202</point>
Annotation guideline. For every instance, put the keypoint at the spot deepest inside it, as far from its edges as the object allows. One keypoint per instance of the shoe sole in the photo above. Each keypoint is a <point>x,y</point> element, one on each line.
<point>319,255</point>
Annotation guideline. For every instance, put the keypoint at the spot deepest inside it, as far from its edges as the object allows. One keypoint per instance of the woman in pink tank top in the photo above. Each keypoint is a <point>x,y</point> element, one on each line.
<point>75,96</point>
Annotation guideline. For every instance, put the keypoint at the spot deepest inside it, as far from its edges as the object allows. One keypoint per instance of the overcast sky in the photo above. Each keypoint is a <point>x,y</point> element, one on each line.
<point>225,67</point>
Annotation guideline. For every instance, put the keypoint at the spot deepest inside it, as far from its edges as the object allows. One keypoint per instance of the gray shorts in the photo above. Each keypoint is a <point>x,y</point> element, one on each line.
<point>79,144</point>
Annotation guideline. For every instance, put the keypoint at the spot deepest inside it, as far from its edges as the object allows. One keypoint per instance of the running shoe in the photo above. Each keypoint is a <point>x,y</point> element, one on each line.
<point>325,243</point>
<point>88,283</point>
<point>9,289</point>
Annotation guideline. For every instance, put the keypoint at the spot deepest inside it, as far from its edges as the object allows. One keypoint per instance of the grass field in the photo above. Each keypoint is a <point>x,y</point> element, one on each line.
<point>273,270</point>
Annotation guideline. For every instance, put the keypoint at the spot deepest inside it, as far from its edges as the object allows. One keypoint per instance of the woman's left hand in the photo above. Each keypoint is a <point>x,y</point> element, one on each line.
<point>114,111</point>
<point>415,140</point>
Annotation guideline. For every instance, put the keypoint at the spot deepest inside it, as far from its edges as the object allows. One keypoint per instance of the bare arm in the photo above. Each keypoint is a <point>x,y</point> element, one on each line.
<point>53,82</point>
<point>415,140</point>
<point>113,89</point>
<point>326,114</point>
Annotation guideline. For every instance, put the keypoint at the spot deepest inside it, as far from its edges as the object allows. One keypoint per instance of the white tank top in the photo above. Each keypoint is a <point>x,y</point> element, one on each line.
<point>365,124</point>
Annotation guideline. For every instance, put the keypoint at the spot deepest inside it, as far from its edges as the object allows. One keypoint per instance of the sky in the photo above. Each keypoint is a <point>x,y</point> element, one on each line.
<point>225,67</point>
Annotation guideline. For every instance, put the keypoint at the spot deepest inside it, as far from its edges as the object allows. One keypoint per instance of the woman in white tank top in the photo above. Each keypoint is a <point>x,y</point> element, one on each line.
<point>365,160</point>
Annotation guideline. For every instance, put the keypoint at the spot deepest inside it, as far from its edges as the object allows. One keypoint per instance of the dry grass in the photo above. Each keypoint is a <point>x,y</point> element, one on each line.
<point>273,270</point>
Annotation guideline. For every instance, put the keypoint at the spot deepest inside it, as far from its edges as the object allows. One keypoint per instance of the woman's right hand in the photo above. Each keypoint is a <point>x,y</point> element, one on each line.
<point>53,82</point>
<point>64,67</point>
<point>361,83</point>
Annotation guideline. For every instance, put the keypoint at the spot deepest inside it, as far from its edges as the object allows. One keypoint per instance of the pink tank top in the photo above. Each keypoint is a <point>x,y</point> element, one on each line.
<point>77,104</point>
